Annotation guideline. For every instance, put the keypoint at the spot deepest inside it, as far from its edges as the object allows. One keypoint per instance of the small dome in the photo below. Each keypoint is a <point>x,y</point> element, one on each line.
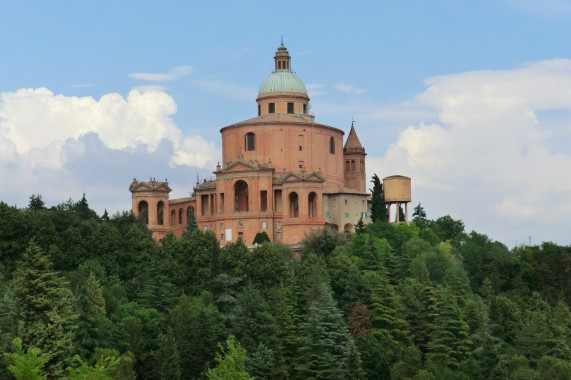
<point>282,81</point>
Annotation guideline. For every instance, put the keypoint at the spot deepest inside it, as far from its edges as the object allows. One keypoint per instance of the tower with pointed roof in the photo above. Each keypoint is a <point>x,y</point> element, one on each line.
<point>281,172</point>
<point>354,156</point>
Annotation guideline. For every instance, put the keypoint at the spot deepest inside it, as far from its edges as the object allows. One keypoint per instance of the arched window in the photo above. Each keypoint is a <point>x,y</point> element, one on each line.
<point>362,166</point>
<point>143,209</point>
<point>347,166</point>
<point>348,230</point>
<point>180,216</point>
<point>353,166</point>
<point>160,210</point>
<point>240,196</point>
<point>173,217</point>
<point>312,205</point>
<point>331,145</point>
<point>293,205</point>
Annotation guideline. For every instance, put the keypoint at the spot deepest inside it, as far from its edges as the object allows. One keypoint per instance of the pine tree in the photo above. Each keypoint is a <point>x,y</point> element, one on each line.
<point>324,338</point>
<point>261,363</point>
<point>43,306</point>
<point>93,326</point>
<point>378,208</point>
<point>169,359</point>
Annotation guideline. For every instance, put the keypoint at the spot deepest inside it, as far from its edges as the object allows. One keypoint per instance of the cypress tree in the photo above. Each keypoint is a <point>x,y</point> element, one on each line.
<point>43,305</point>
<point>378,208</point>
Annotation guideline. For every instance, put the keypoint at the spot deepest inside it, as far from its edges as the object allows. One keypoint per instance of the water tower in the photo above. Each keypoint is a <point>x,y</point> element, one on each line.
<point>397,191</point>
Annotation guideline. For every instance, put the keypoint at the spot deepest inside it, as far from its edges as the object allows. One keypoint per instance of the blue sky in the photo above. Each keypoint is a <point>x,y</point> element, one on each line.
<point>470,99</point>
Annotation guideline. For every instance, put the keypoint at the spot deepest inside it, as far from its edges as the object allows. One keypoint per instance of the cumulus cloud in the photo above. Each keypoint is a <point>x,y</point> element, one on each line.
<point>52,144</point>
<point>491,158</point>
<point>349,89</point>
<point>174,73</point>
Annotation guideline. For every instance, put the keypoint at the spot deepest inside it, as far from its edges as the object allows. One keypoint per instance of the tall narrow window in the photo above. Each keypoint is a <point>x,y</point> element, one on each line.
<point>272,108</point>
<point>331,145</point>
<point>293,205</point>
<point>250,141</point>
<point>304,109</point>
<point>290,108</point>
<point>259,110</point>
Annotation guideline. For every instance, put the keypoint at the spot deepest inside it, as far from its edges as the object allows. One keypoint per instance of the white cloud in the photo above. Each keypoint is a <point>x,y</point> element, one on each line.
<point>174,73</point>
<point>349,89</point>
<point>490,158</point>
<point>314,89</point>
<point>60,146</point>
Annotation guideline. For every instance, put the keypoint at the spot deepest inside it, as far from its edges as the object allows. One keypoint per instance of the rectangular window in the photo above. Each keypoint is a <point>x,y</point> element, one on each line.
<point>300,148</point>
<point>328,214</point>
<point>346,215</point>
<point>221,237</point>
<point>205,228</point>
<point>290,108</point>
<point>278,200</point>
<point>278,224</point>
<point>264,224</point>
<point>263,200</point>
<point>279,235</point>
<point>228,234</point>
<point>221,226</point>
<point>222,202</point>
<point>241,235</point>
<point>364,215</point>
<point>240,223</point>
<point>259,110</point>
<point>345,202</point>
<point>272,108</point>
<point>304,109</point>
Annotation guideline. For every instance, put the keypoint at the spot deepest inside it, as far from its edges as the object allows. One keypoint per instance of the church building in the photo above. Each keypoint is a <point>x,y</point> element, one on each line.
<point>281,172</point>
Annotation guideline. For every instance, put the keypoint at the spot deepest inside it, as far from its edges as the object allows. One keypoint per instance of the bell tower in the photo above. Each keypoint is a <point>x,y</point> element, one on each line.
<point>354,158</point>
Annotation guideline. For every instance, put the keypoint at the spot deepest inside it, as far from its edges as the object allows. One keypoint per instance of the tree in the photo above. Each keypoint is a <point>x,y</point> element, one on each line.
<point>169,359</point>
<point>360,226</point>
<point>322,242</point>
<point>378,208</point>
<point>261,363</point>
<point>93,326</point>
<point>26,364</point>
<point>261,237</point>
<point>231,362</point>
<point>419,212</point>
<point>191,225</point>
<point>36,203</point>
<point>43,306</point>
<point>324,339</point>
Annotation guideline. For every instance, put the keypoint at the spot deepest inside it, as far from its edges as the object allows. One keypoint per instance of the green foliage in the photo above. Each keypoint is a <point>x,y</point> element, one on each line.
<point>322,242</point>
<point>261,237</point>
<point>261,363</point>
<point>26,364</point>
<point>378,208</point>
<point>323,342</point>
<point>231,362</point>
<point>43,307</point>
<point>101,370</point>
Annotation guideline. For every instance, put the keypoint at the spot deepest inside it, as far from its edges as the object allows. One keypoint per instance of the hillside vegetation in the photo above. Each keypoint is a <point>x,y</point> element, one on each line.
<point>95,297</point>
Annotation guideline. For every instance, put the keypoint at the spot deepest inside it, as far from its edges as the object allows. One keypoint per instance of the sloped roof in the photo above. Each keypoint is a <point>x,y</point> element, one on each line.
<point>353,144</point>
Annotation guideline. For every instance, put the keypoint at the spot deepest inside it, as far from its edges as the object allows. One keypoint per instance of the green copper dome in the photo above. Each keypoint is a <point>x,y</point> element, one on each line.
<point>282,81</point>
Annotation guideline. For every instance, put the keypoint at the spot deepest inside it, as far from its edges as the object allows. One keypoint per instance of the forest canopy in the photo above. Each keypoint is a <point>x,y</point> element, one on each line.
<point>89,296</point>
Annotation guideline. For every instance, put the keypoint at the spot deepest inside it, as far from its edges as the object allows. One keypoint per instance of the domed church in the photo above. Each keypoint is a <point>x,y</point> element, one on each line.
<point>281,172</point>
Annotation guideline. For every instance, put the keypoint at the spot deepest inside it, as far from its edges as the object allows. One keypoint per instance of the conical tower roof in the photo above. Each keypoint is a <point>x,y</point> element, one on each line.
<point>353,145</point>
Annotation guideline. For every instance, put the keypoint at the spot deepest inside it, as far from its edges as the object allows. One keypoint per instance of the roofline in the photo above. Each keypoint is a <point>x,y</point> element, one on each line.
<point>248,123</point>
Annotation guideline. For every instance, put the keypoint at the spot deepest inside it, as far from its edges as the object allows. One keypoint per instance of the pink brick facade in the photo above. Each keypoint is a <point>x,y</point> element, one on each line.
<point>281,173</point>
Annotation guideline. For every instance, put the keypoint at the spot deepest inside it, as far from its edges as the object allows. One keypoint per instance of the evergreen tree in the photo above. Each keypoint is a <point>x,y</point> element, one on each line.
<point>169,359</point>
<point>261,363</point>
<point>191,225</point>
<point>323,342</point>
<point>378,208</point>
<point>449,343</point>
<point>419,212</point>
<point>43,306</point>
<point>93,326</point>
